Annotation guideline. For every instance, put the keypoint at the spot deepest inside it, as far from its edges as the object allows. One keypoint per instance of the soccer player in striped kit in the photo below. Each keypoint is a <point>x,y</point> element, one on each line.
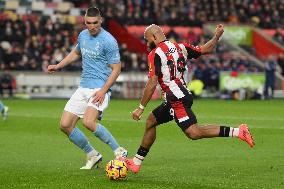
<point>167,63</point>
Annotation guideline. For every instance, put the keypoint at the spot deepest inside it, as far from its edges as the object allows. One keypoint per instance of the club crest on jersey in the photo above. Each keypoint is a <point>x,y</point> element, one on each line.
<point>172,50</point>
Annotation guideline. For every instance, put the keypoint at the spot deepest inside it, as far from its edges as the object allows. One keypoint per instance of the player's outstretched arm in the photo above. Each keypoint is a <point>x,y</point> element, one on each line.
<point>211,44</point>
<point>72,56</point>
<point>147,94</point>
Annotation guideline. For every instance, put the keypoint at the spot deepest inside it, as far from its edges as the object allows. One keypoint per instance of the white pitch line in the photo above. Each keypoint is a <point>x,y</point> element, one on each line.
<point>202,117</point>
<point>143,121</point>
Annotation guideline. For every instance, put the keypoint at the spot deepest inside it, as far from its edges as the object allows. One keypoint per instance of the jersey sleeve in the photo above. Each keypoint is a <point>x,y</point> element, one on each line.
<point>112,52</point>
<point>192,51</point>
<point>154,64</point>
<point>78,47</point>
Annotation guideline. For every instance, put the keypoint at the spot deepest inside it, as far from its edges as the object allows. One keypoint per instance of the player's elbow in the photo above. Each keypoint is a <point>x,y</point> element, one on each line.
<point>206,50</point>
<point>119,70</point>
<point>116,68</point>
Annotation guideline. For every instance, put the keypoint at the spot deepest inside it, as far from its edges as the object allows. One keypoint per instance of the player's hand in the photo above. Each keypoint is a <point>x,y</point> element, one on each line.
<point>219,30</point>
<point>137,114</point>
<point>99,97</point>
<point>52,68</point>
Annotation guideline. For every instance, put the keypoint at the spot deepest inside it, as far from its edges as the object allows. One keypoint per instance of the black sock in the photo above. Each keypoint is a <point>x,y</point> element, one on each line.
<point>224,131</point>
<point>142,151</point>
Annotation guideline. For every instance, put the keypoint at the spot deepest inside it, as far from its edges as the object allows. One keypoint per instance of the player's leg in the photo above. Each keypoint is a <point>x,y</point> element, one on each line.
<point>196,131</point>
<point>186,120</point>
<point>4,110</point>
<point>91,116</point>
<point>160,115</point>
<point>77,137</point>
<point>150,132</point>
<point>68,122</point>
<point>73,111</point>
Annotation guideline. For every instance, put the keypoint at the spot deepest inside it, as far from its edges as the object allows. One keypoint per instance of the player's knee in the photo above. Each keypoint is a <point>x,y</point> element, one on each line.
<point>193,133</point>
<point>64,127</point>
<point>151,121</point>
<point>89,124</point>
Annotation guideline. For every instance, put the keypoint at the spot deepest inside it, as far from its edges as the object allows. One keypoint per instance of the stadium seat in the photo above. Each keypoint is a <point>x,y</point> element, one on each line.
<point>52,5</point>
<point>12,5</point>
<point>75,12</point>
<point>2,5</point>
<point>25,3</point>
<point>11,15</point>
<point>38,6</point>
<point>71,19</point>
<point>64,7</point>
<point>48,11</point>
<point>21,10</point>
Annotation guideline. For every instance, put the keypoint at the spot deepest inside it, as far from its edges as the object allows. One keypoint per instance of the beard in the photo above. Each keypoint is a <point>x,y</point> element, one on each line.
<point>151,46</point>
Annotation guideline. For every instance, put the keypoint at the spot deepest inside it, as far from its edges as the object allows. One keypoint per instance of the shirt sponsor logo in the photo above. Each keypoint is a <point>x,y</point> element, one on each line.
<point>172,50</point>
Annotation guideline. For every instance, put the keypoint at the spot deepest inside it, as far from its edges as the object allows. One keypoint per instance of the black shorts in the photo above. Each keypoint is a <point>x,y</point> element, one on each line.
<point>180,110</point>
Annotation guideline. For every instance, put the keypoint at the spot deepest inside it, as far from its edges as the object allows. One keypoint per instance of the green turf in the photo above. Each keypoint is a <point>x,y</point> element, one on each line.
<point>35,154</point>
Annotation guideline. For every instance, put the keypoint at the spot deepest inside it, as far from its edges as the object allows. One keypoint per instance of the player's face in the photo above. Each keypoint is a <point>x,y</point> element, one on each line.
<point>151,44</point>
<point>93,24</point>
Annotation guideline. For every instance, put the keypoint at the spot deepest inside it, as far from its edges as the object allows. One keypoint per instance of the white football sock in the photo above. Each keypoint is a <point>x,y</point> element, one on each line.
<point>138,159</point>
<point>93,153</point>
<point>234,132</point>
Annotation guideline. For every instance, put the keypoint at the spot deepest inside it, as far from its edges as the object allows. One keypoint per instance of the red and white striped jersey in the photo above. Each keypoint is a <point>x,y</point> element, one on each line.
<point>168,62</point>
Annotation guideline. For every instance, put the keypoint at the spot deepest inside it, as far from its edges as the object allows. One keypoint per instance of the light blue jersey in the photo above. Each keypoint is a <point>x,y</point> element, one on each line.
<point>98,52</point>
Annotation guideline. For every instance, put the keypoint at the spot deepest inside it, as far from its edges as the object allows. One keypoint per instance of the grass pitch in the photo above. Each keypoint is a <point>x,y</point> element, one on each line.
<point>35,154</point>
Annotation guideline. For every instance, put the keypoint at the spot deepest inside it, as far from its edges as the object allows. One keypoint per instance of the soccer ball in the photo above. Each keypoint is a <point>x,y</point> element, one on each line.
<point>116,170</point>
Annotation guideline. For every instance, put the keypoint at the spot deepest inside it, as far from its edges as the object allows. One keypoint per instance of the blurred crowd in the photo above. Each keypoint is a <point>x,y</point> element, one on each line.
<point>207,68</point>
<point>279,37</point>
<point>263,13</point>
<point>31,45</point>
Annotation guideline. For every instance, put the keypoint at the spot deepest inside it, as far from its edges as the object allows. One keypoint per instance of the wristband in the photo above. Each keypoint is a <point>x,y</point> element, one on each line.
<point>141,106</point>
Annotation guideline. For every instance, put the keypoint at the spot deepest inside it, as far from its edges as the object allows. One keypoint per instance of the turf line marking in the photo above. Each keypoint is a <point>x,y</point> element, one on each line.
<point>202,117</point>
<point>143,121</point>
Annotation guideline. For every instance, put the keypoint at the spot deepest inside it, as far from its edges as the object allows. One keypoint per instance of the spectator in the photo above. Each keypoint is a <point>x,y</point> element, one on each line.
<point>172,35</point>
<point>280,62</point>
<point>43,40</point>
<point>278,36</point>
<point>270,68</point>
<point>6,80</point>
<point>192,37</point>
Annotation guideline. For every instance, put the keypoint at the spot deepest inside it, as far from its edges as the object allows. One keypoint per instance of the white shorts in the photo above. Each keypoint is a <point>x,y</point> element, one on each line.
<point>82,98</point>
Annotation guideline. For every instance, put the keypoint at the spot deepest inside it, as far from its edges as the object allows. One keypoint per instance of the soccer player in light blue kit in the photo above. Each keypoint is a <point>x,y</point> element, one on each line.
<point>4,110</point>
<point>101,67</point>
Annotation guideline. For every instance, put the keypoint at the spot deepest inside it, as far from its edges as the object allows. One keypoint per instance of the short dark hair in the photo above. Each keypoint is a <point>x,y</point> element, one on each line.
<point>93,11</point>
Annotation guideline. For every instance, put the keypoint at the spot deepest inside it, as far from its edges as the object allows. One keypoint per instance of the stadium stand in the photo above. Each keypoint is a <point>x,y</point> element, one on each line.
<point>263,13</point>
<point>34,34</point>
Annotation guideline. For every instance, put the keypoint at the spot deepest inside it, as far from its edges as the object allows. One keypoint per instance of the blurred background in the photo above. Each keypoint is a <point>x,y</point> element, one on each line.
<point>248,62</point>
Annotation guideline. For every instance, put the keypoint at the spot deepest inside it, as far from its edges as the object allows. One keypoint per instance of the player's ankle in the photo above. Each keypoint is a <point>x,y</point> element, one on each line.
<point>234,132</point>
<point>137,160</point>
<point>93,153</point>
